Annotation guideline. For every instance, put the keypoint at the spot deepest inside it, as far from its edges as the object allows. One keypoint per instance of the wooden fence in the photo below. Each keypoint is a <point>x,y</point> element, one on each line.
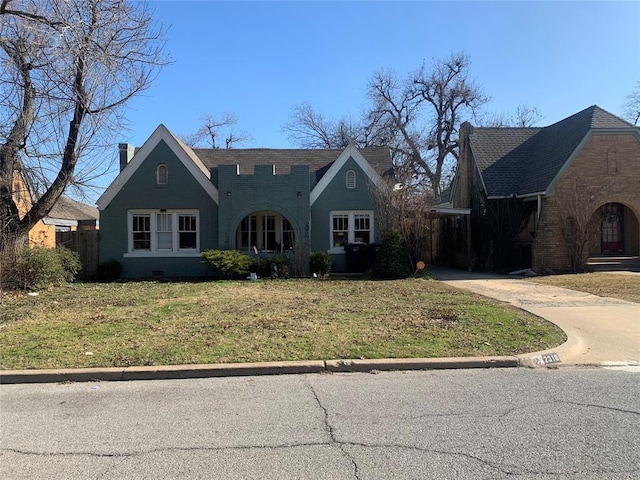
<point>85,242</point>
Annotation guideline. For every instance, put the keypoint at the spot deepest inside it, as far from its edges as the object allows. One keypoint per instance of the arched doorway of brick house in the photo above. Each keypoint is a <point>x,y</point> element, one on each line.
<point>616,237</point>
<point>265,232</point>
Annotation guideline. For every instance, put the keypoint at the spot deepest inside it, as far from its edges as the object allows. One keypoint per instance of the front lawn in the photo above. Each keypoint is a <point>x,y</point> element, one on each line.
<point>156,323</point>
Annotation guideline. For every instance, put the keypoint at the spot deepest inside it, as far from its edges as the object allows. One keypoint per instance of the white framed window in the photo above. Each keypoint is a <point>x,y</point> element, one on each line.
<point>362,228</point>
<point>140,232</point>
<point>163,233</point>
<point>339,230</point>
<point>248,235</point>
<point>350,227</point>
<point>187,231</point>
<point>164,224</point>
<point>162,174</point>
<point>351,179</point>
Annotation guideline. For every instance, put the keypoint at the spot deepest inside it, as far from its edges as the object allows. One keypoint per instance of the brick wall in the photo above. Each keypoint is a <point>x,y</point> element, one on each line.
<point>607,169</point>
<point>264,189</point>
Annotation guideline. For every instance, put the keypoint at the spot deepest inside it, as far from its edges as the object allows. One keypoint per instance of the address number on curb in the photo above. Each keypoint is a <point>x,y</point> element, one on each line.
<point>545,359</point>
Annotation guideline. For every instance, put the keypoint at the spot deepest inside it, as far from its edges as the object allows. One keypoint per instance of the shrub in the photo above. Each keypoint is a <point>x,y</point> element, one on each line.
<point>41,267</point>
<point>282,262</point>
<point>320,263</point>
<point>392,260</point>
<point>228,263</point>
<point>109,271</point>
<point>262,265</point>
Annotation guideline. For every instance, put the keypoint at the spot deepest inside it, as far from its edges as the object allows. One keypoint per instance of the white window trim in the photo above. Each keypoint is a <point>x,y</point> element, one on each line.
<point>351,232</point>
<point>154,252</point>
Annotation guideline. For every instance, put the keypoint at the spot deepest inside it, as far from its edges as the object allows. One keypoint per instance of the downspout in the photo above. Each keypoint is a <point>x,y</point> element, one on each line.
<point>538,210</point>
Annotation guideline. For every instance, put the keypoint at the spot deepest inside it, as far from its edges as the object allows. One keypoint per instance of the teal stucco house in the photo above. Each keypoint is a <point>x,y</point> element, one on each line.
<point>171,202</point>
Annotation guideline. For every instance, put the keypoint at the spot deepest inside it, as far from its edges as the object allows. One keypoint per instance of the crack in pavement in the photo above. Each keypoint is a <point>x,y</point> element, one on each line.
<point>505,469</point>
<point>603,407</point>
<point>469,413</point>
<point>502,468</point>
<point>68,454</point>
<point>509,470</point>
<point>341,444</point>
<point>330,431</point>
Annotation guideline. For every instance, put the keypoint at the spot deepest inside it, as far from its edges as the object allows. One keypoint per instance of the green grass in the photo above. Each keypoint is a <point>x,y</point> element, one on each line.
<point>151,323</point>
<point>624,287</point>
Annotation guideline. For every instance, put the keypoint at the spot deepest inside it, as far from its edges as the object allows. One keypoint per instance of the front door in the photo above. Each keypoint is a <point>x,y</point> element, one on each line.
<point>612,228</point>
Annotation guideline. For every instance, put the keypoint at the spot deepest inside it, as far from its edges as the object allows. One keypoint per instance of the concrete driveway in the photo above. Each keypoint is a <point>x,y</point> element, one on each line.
<point>600,330</point>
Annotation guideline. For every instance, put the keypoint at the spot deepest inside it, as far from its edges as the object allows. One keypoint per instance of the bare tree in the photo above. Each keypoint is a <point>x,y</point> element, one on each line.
<point>403,208</point>
<point>424,113</point>
<point>215,130</point>
<point>69,68</point>
<point>631,107</point>
<point>417,117</point>
<point>578,224</point>
<point>524,116</point>
<point>308,128</point>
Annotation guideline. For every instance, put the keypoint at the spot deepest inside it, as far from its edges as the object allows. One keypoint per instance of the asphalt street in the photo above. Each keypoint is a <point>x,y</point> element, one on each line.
<point>569,423</point>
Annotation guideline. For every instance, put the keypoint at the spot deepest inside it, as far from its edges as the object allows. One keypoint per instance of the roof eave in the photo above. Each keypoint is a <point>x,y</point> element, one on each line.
<point>517,195</point>
<point>62,222</point>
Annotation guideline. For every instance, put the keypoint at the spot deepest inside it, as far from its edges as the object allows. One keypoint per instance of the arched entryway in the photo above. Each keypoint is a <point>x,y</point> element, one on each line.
<point>265,231</point>
<point>618,231</point>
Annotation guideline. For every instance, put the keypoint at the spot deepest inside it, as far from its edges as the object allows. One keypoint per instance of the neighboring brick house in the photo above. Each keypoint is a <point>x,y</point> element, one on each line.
<point>550,198</point>
<point>170,202</point>
<point>66,215</point>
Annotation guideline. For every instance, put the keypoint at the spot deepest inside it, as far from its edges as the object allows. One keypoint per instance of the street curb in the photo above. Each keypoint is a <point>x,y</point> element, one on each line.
<point>420,364</point>
<point>166,372</point>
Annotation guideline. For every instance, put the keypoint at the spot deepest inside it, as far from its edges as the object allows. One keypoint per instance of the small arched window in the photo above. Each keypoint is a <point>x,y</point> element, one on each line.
<point>351,179</point>
<point>162,174</point>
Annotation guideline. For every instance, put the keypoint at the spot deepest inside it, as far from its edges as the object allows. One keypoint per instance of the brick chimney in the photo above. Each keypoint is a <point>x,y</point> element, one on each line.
<point>126,154</point>
<point>465,168</point>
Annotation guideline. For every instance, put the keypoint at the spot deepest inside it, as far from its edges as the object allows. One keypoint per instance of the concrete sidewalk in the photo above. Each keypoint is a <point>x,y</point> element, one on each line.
<point>600,330</point>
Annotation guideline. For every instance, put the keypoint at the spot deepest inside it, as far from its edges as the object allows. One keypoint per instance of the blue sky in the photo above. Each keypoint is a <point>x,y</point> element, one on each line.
<point>259,59</point>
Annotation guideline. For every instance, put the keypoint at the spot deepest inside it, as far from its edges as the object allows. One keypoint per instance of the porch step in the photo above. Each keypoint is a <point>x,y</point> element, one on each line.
<point>608,264</point>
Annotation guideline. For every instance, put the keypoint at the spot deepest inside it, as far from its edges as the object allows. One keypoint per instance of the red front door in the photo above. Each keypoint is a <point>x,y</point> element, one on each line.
<point>612,228</point>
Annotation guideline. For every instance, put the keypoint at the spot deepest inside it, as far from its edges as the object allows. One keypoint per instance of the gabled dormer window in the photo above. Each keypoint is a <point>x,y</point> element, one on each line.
<point>351,179</point>
<point>162,174</point>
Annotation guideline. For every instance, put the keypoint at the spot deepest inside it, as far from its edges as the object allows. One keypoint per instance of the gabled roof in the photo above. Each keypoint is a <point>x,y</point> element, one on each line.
<point>525,161</point>
<point>319,161</point>
<point>184,153</point>
<point>375,161</point>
